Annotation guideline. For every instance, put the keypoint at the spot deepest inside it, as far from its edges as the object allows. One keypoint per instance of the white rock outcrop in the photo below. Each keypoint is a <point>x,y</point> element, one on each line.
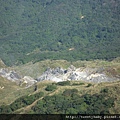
<point>87,74</point>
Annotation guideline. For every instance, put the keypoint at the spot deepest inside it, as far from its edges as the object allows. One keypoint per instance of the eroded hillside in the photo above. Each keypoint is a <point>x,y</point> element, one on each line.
<point>76,95</point>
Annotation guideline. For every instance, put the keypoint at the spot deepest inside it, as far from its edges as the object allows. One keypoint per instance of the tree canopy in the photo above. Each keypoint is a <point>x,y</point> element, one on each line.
<point>33,30</point>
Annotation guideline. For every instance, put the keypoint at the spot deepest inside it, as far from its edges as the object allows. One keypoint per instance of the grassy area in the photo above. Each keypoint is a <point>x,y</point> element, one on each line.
<point>12,91</point>
<point>35,70</point>
<point>2,65</point>
<point>113,90</point>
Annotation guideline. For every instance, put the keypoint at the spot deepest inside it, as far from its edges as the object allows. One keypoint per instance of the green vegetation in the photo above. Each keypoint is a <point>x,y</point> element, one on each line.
<point>20,102</point>
<point>68,97</point>
<point>59,29</point>
<point>89,85</point>
<point>105,90</point>
<point>64,83</point>
<point>69,92</point>
<point>103,98</point>
<point>78,84</point>
<point>36,69</point>
<point>50,87</point>
<point>72,103</point>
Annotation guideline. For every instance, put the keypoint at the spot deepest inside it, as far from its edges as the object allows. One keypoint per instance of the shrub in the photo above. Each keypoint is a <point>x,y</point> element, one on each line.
<point>105,90</point>
<point>50,87</point>
<point>78,84</point>
<point>69,92</point>
<point>89,85</point>
<point>64,83</point>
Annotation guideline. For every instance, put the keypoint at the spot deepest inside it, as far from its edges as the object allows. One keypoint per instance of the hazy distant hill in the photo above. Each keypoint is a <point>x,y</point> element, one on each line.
<point>59,29</point>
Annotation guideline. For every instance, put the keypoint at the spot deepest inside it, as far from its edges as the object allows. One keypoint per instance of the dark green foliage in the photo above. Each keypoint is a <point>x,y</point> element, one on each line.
<point>5,109</point>
<point>35,88</point>
<point>47,29</point>
<point>78,84</point>
<point>109,102</point>
<point>64,83</point>
<point>20,102</point>
<point>105,90</point>
<point>70,92</point>
<point>69,102</point>
<point>89,85</point>
<point>98,104</point>
<point>72,103</point>
<point>50,87</point>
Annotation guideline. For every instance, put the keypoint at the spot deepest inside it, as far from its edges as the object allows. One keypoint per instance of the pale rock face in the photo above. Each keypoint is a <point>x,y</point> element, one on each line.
<point>25,82</point>
<point>28,78</point>
<point>86,74</point>
<point>2,87</point>
<point>93,76</point>
<point>10,75</point>
<point>28,81</point>
<point>55,79</point>
<point>14,77</point>
<point>58,74</point>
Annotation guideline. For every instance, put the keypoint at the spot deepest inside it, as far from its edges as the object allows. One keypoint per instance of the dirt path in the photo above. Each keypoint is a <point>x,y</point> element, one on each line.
<point>61,88</point>
<point>26,109</point>
<point>111,84</point>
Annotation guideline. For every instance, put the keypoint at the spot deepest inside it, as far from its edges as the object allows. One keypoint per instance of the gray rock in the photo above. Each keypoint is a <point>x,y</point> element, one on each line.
<point>10,75</point>
<point>73,76</point>
<point>3,71</point>
<point>99,78</point>
<point>14,75</point>
<point>71,68</point>
<point>48,71</point>
<point>88,74</point>
<point>58,71</point>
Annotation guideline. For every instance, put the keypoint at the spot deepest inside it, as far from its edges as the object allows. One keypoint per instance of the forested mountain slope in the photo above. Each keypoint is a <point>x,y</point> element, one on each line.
<point>59,29</point>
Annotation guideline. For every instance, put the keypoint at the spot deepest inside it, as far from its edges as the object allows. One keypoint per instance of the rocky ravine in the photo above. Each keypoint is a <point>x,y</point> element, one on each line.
<point>58,74</point>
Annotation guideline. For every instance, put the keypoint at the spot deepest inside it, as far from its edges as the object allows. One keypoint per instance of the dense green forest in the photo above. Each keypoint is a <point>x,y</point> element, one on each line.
<point>33,30</point>
<point>69,102</point>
